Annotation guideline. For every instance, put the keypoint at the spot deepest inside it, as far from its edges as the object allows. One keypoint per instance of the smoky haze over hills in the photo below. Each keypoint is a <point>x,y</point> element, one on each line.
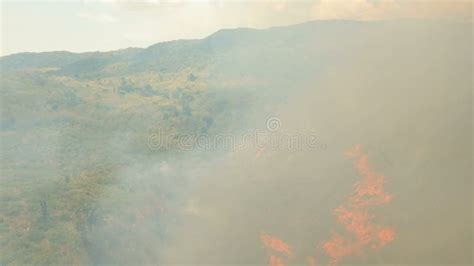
<point>84,180</point>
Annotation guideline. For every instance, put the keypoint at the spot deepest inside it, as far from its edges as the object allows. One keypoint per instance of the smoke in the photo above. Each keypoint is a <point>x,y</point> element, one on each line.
<point>356,217</point>
<point>402,93</point>
<point>399,90</point>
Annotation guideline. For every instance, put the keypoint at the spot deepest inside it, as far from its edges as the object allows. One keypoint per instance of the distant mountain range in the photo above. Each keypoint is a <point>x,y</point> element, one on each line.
<point>267,48</point>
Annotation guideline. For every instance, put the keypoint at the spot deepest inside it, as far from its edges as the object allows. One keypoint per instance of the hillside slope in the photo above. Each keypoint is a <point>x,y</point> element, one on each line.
<point>84,180</point>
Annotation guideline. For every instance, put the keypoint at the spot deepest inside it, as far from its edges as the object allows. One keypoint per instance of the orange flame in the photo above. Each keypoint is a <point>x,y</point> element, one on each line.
<point>354,213</point>
<point>276,244</point>
<point>276,261</point>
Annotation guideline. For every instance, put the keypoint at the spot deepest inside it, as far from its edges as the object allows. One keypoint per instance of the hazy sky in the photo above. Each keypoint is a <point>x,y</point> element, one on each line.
<point>33,26</point>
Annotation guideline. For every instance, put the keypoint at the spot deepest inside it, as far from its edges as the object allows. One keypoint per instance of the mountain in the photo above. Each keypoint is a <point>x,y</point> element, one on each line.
<point>96,166</point>
<point>171,56</point>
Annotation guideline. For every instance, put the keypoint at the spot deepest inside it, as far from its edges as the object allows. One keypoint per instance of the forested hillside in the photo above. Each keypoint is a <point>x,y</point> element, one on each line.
<point>81,183</point>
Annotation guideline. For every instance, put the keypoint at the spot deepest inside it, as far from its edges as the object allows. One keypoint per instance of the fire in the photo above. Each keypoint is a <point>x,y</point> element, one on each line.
<point>386,236</point>
<point>354,214</point>
<point>361,229</point>
<point>276,261</point>
<point>276,244</point>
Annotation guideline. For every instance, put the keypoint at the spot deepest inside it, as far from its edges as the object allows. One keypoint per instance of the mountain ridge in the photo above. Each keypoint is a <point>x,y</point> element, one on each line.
<point>218,40</point>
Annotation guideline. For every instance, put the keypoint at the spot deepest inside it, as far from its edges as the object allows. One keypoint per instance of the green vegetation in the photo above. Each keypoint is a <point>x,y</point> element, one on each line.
<point>79,182</point>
